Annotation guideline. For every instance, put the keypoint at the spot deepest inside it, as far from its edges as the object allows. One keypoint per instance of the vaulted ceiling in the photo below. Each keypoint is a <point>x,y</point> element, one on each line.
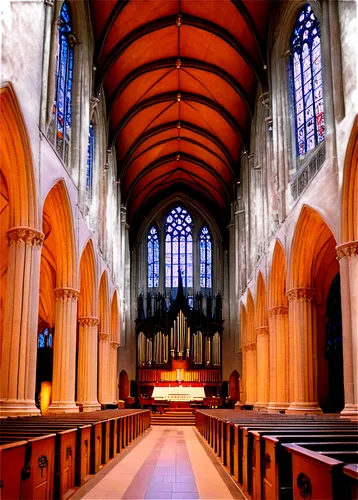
<point>180,79</point>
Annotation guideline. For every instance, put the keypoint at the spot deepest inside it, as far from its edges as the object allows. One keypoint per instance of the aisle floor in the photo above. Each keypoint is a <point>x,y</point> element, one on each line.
<point>166,463</point>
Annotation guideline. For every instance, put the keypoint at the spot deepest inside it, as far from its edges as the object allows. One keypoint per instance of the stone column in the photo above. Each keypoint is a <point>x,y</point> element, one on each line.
<point>87,364</point>
<point>278,324</point>
<point>103,368</point>
<point>19,336</point>
<point>348,261</point>
<point>251,367</point>
<point>302,320</point>
<point>64,352</point>
<point>263,371</point>
<point>243,381</point>
<point>113,370</point>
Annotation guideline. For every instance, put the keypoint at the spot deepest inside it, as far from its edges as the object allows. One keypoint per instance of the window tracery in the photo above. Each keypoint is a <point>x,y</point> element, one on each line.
<point>178,248</point>
<point>306,66</point>
<point>153,258</point>
<point>90,157</point>
<point>205,258</point>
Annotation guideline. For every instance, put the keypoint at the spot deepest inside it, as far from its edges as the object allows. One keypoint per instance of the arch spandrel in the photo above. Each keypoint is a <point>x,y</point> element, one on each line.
<point>88,300</point>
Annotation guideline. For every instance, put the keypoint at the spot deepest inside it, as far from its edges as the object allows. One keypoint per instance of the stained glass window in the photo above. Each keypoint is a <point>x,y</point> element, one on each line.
<point>60,126</point>
<point>153,258</point>
<point>90,156</point>
<point>178,248</point>
<point>205,258</point>
<point>306,66</point>
<point>44,338</point>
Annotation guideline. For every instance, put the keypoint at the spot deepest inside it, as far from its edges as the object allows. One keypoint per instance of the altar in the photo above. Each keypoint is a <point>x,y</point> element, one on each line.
<point>178,394</point>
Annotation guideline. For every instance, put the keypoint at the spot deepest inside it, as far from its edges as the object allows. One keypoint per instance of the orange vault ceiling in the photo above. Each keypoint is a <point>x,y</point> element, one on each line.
<point>180,80</point>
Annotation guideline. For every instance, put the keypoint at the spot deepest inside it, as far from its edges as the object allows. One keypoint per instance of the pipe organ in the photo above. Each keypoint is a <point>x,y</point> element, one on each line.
<point>172,332</point>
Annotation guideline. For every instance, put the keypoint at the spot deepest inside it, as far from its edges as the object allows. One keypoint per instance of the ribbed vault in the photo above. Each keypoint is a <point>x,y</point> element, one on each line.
<point>180,79</point>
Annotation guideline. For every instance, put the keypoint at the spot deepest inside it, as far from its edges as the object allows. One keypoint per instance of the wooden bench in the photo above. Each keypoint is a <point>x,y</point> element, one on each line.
<point>350,473</point>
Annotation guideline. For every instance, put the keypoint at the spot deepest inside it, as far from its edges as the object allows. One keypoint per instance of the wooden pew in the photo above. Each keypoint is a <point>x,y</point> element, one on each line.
<point>12,461</point>
<point>350,473</point>
<point>318,475</point>
<point>277,464</point>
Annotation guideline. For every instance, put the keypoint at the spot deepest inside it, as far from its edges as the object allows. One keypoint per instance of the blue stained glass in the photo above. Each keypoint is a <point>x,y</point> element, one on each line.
<point>153,258</point>
<point>62,107</point>
<point>205,258</point>
<point>178,251</point>
<point>90,156</point>
<point>49,340</point>
<point>41,341</point>
<point>306,67</point>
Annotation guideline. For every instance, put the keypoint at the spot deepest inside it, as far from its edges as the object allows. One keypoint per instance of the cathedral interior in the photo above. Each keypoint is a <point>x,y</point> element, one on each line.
<point>179,248</point>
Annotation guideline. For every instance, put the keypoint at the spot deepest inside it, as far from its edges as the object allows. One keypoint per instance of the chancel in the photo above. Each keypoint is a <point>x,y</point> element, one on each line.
<point>179,249</point>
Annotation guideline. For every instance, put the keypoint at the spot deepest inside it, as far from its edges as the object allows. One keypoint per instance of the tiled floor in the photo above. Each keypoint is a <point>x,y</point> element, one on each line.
<point>167,463</point>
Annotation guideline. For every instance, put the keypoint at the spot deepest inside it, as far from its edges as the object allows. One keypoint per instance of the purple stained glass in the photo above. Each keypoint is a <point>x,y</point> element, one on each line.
<point>205,258</point>
<point>306,66</point>
<point>90,156</point>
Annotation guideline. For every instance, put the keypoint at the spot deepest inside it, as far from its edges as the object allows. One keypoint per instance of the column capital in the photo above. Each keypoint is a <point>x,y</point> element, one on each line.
<point>277,311</point>
<point>262,330</point>
<point>104,337</point>
<point>349,249</point>
<point>303,294</point>
<point>251,347</point>
<point>65,293</point>
<point>23,234</point>
<point>88,321</point>
<point>114,345</point>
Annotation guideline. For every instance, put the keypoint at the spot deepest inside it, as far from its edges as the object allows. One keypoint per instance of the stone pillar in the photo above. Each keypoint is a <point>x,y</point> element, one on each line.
<point>243,381</point>
<point>103,368</point>
<point>113,370</point>
<point>279,377</point>
<point>302,319</point>
<point>19,336</point>
<point>348,261</point>
<point>87,364</point>
<point>251,367</point>
<point>64,352</point>
<point>263,367</point>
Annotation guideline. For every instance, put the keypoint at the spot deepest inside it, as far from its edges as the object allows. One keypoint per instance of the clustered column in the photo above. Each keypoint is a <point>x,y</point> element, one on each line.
<point>19,338</point>
<point>87,363</point>
<point>103,368</point>
<point>113,370</point>
<point>278,325</point>
<point>348,260</point>
<point>64,351</point>
<point>302,322</point>
<point>262,335</point>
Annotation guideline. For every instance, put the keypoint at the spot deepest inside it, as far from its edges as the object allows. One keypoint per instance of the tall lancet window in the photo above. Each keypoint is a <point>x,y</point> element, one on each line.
<point>205,258</point>
<point>178,248</point>
<point>153,258</point>
<point>90,158</point>
<point>60,127</point>
<point>306,65</point>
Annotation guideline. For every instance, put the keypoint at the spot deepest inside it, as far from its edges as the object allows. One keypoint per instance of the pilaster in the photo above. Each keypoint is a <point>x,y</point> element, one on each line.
<point>113,370</point>
<point>19,338</point>
<point>262,336</point>
<point>103,368</point>
<point>302,321</point>
<point>64,351</point>
<point>347,255</point>
<point>87,363</point>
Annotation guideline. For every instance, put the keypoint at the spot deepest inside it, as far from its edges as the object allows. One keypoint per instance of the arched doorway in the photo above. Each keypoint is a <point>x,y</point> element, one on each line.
<point>123,385</point>
<point>234,387</point>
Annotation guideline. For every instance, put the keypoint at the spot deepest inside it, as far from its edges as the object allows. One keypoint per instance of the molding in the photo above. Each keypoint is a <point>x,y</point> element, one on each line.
<point>347,250</point>
<point>65,293</point>
<point>22,234</point>
<point>277,311</point>
<point>262,330</point>
<point>302,294</point>
<point>88,321</point>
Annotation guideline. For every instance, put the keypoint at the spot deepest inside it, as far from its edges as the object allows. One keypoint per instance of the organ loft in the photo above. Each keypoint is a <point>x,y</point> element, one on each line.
<point>178,249</point>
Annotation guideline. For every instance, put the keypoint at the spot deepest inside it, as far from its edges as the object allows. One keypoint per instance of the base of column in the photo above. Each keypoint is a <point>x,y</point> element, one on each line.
<point>93,406</point>
<point>305,407</point>
<point>277,407</point>
<point>350,411</point>
<point>17,409</point>
<point>63,407</point>
<point>260,407</point>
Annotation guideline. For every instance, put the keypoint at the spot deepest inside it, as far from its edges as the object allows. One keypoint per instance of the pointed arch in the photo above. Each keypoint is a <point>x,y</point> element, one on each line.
<point>234,386</point>
<point>260,309</point>
<point>250,318</point>
<point>61,237</point>
<point>277,278</point>
<point>123,385</point>
<point>243,325</point>
<point>87,304</point>
<point>104,315</point>
<point>115,323</point>
<point>17,162</point>
<point>349,204</point>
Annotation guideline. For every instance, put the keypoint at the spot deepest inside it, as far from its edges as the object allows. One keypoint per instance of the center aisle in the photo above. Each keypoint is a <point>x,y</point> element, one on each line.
<point>168,462</point>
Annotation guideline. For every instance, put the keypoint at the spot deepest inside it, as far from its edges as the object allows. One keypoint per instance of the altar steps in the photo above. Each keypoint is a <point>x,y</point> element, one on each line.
<point>172,418</point>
